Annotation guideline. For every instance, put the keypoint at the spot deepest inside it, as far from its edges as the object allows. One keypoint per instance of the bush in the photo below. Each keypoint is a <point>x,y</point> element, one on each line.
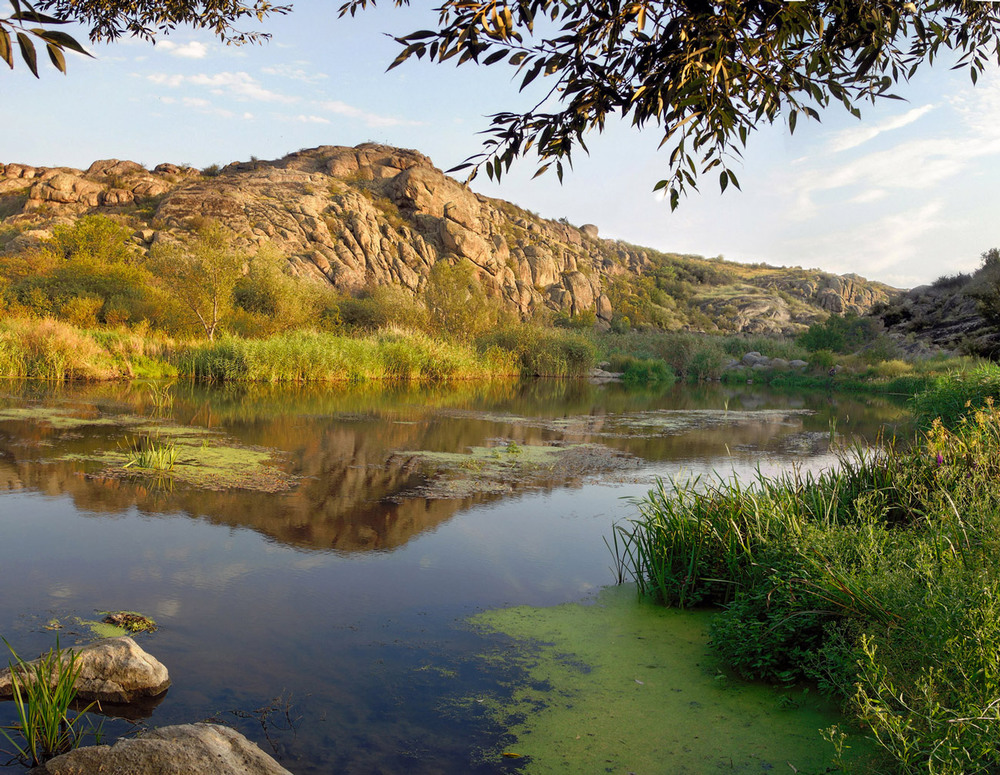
<point>642,371</point>
<point>840,334</point>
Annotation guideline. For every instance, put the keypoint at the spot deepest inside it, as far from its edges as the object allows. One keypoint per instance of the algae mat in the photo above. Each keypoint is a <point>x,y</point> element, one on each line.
<point>622,686</point>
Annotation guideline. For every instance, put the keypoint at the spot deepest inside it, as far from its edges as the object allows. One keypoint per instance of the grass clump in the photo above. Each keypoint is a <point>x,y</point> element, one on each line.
<point>543,352</point>
<point>642,371</point>
<point>879,580</point>
<point>150,454</point>
<point>43,692</point>
<point>301,356</point>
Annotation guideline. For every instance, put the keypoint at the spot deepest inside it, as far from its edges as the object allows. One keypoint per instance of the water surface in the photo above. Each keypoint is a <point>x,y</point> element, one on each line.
<point>323,609</point>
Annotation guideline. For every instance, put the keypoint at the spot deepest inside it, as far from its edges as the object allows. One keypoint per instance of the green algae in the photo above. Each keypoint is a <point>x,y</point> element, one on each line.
<point>209,463</point>
<point>53,417</point>
<point>500,468</point>
<point>206,459</point>
<point>624,686</point>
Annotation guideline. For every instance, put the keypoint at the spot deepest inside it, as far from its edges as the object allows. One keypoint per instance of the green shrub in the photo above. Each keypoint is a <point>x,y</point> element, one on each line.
<point>840,334</point>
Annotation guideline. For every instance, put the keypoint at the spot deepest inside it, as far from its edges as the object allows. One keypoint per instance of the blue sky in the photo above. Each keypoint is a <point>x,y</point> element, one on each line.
<point>902,196</point>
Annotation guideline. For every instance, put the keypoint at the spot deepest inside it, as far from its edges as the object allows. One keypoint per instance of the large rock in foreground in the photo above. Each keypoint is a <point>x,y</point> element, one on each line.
<point>205,749</point>
<point>114,670</point>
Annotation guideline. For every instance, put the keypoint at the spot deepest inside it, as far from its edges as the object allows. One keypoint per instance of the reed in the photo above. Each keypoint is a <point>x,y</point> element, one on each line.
<point>150,454</point>
<point>880,580</point>
<point>43,693</point>
<point>390,354</point>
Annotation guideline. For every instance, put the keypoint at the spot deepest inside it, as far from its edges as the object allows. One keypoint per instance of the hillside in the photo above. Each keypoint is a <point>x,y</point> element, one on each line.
<point>360,217</point>
<point>960,312</point>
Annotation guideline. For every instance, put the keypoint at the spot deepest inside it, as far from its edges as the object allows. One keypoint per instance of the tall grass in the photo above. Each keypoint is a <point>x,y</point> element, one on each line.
<point>880,580</point>
<point>43,693</point>
<point>48,349</point>
<point>542,352</point>
<point>306,356</point>
<point>957,394</point>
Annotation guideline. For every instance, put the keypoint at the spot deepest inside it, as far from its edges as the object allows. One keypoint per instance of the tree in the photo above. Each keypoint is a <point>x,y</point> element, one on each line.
<point>457,302</point>
<point>705,72</point>
<point>110,19</point>
<point>201,273</point>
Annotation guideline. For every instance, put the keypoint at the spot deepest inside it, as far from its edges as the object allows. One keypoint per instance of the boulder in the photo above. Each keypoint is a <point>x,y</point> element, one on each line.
<point>798,363</point>
<point>205,749</point>
<point>114,670</point>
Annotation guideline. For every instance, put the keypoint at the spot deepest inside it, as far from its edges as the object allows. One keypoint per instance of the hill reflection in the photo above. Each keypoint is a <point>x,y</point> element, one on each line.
<point>356,456</point>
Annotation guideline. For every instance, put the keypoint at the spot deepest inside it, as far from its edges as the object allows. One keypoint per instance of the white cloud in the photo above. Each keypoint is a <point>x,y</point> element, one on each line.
<point>312,119</point>
<point>163,79</point>
<point>872,195</point>
<point>239,85</point>
<point>370,119</point>
<point>191,50</point>
<point>295,73</point>
<point>852,138</point>
<point>883,247</point>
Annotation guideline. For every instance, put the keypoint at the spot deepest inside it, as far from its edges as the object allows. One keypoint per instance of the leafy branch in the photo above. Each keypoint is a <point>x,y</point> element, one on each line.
<point>706,73</point>
<point>14,28</point>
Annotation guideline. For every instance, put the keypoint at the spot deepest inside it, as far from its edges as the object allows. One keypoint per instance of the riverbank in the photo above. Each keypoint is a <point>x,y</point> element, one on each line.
<point>49,349</point>
<point>879,580</point>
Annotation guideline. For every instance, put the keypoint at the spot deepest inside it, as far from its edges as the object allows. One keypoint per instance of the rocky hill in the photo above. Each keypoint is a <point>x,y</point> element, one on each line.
<point>359,217</point>
<point>958,313</point>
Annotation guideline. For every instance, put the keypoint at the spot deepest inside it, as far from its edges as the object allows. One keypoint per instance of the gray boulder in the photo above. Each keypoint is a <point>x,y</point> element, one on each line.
<point>114,670</point>
<point>205,749</point>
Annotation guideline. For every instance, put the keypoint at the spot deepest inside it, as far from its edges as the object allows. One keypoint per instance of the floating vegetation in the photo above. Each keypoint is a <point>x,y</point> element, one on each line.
<point>646,424</point>
<point>129,621</point>
<point>600,678</point>
<point>509,465</point>
<point>52,417</point>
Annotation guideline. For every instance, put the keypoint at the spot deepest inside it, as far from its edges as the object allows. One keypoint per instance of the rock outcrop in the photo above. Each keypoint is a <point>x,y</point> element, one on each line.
<point>371,215</point>
<point>943,316</point>
<point>205,749</point>
<point>113,670</point>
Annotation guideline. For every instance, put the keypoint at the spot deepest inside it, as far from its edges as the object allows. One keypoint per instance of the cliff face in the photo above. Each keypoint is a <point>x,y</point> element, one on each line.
<point>357,217</point>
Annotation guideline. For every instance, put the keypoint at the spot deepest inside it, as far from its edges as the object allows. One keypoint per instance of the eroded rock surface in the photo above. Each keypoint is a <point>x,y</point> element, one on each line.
<point>205,749</point>
<point>114,670</point>
<point>372,215</point>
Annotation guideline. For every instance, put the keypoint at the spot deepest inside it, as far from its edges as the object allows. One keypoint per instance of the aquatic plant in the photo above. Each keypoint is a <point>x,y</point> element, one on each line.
<point>880,580</point>
<point>149,453</point>
<point>43,692</point>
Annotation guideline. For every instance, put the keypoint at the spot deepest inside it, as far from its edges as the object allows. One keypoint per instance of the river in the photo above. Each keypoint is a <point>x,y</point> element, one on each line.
<point>314,558</point>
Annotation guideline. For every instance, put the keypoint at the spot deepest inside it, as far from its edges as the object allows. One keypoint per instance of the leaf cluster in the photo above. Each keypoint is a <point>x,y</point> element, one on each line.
<point>145,19</point>
<point>704,72</point>
<point>56,41</point>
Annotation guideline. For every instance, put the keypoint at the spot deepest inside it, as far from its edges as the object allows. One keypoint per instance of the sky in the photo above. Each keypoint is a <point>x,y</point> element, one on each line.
<point>903,196</point>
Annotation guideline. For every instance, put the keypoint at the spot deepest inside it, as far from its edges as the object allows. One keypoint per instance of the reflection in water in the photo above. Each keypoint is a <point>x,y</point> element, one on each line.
<point>347,592</point>
<point>349,451</point>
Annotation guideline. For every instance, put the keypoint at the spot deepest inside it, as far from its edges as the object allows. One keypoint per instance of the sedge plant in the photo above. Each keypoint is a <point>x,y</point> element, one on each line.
<point>43,693</point>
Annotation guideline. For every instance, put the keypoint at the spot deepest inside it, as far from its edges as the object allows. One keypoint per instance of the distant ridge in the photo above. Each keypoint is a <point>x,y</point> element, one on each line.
<point>373,214</point>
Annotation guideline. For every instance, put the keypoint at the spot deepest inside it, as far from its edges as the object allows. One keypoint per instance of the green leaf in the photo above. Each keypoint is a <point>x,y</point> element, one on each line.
<point>724,180</point>
<point>57,58</point>
<point>6,54</point>
<point>62,40</point>
<point>495,57</point>
<point>28,52</point>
